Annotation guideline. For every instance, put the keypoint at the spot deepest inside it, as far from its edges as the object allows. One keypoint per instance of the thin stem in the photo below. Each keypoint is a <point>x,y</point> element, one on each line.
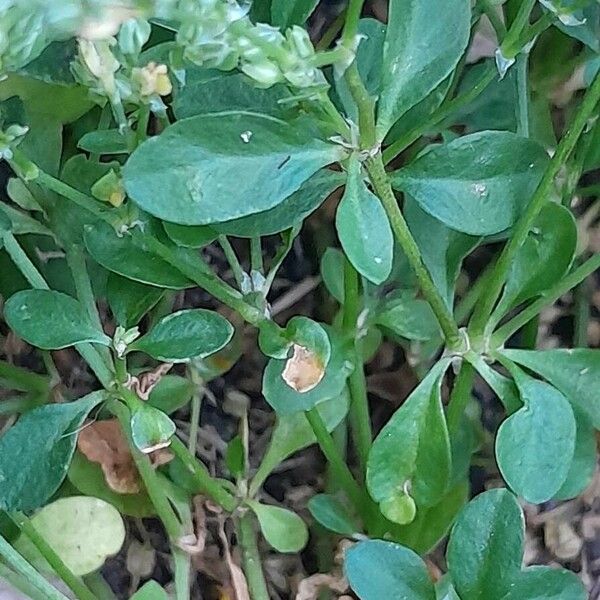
<point>331,32</point>
<point>23,262</point>
<point>81,591</point>
<point>99,586</point>
<point>366,107</point>
<point>96,363</point>
<point>22,567</point>
<point>522,95</point>
<point>567,144</point>
<point>353,13</point>
<point>510,46</point>
<point>359,406</point>
<point>232,259</point>
<point>383,189</point>
<point>443,112</point>
<point>246,532</point>
<point>582,315</point>
<point>460,396</point>
<point>550,296</point>
<point>206,484</point>
<point>336,462</point>
<point>494,18</point>
<point>256,257</point>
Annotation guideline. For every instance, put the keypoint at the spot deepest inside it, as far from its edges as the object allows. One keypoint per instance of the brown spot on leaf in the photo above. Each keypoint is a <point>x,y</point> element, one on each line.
<point>303,370</point>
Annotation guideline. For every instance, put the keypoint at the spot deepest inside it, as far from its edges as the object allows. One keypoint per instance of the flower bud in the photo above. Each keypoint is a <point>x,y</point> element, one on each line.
<point>152,80</point>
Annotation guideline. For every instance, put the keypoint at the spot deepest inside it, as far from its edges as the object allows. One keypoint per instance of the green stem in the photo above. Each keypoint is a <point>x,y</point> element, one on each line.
<point>20,583</point>
<point>206,484</point>
<point>99,586</point>
<point>366,107</point>
<point>567,144</point>
<point>23,263</point>
<point>336,462</point>
<point>256,257</point>
<point>96,363</point>
<point>522,95</point>
<point>14,560</point>
<point>80,590</point>
<point>550,296</point>
<point>582,315</point>
<point>350,31</point>
<point>460,396</point>
<point>510,44</point>
<point>494,18</point>
<point>359,405</point>
<point>383,189</point>
<point>232,259</point>
<point>246,532</point>
<point>443,112</point>
<point>331,32</point>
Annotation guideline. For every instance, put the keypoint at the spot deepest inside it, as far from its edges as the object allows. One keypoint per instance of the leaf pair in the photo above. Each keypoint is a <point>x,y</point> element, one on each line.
<point>484,558</point>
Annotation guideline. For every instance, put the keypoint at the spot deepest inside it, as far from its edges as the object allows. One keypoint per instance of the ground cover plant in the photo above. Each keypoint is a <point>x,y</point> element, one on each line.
<point>161,159</point>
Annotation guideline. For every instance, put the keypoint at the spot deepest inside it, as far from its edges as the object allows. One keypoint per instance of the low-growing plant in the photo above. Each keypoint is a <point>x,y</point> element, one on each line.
<point>138,133</point>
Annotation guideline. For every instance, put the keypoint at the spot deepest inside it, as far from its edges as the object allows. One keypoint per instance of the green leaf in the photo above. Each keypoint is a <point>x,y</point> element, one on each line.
<point>376,569</point>
<point>583,465</point>
<point>292,211</point>
<point>535,445</point>
<point>408,317</point>
<point>108,141</point>
<point>197,156</point>
<point>478,184</point>
<point>311,335</point>
<point>50,320</point>
<point>150,591</point>
<point>120,254</point>
<point>88,478</point>
<point>544,257</point>
<point>193,236</point>
<point>503,387</point>
<point>432,524</point>
<point>412,452</point>
<point>575,373</point>
<point>19,193</point>
<point>442,249</point>
<point>22,223</point>
<point>186,334</point>
<point>130,300</point>
<point>546,583</point>
<point>83,531</point>
<point>151,429</point>
<point>419,52</point>
<point>283,529</point>
<point>235,458</point>
<point>486,546</point>
<point>171,393</point>
<point>364,229</point>
<point>292,432</point>
<point>285,13</point>
<point>286,400</point>
<point>209,91</point>
<point>332,514</point>
<point>332,272</point>
<point>35,452</point>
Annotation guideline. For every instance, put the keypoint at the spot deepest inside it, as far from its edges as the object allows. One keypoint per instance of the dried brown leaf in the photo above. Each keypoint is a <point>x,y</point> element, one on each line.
<point>303,370</point>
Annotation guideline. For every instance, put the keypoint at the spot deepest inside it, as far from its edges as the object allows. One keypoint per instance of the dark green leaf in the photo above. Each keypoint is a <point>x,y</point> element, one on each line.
<point>151,429</point>
<point>486,546</point>
<point>419,52</point>
<point>576,373</point>
<point>286,400</point>
<point>285,13</point>
<point>290,212</point>
<point>535,445</point>
<point>478,184</point>
<point>108,141</point>
<point>235,457</point>
<point>283,529</point>
<point>442,248</point>
<point>546,583</point>
<point>193,236</point>
<point>332,272</point>
<point>412,452</point>
<point>50,320</point>
<point>544,257</point>
<point>332,514</point>
<point>150,591</point>
<point>171,393</point>
<point>186,334</point>
<point>35,452</point>
<point>22,223</point>
<point>378,569</point>
<point>364,229</point>
<point>408,317</point>
<point>197,156</point>
<point>120,254</point>
<point>130,300</point>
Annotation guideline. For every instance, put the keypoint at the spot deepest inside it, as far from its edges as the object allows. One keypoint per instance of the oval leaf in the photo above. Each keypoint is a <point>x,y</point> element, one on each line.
<point>378,569</point>
<point>50,320</point>
<point>197,156</point>
<point>486,546</point>
<point>83,531</point>
<point>283,529</point>
<point>180,336</point>
<point>35,452</point>
<point>151,429</point>
<point>332,514</point>
<point>478,184</point>
<point>364,229</point>
<point>535,445</point>
<point>546,583</point>
<point>412,452</point>
<point>419,52</point>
